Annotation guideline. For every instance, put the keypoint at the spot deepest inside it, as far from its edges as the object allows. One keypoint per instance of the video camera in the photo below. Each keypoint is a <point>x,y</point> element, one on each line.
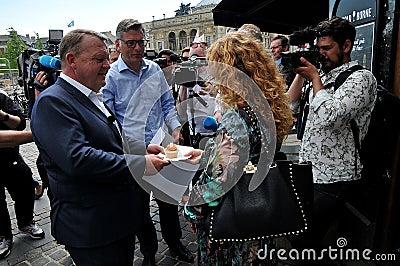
<point>304,40</point>
<point>31,61</point>
<point>186,72</point>
<point>163,62</point>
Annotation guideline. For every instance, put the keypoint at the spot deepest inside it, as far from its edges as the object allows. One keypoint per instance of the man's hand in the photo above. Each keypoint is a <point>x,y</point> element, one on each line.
<point>310,72</point>
<point>155,149</point>
<point>40,82</point>
<point>177,135</point>
<point>154,163</point>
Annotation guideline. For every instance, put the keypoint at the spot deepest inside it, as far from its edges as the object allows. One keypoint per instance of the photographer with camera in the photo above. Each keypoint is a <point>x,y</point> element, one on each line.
<point>166,59</point>
<point>328,140</point>
<point>195,102</point>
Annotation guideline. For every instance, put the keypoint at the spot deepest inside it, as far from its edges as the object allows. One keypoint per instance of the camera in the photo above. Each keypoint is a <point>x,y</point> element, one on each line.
<point>150,54</point>
<point>304,40</point>
<point>29,64</point>
<point>163,61</point>
<point>186,72</point>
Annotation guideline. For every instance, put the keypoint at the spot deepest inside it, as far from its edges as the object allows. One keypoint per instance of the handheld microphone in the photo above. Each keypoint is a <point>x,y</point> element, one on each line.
<point>50,61</point>
<point>210,123</point>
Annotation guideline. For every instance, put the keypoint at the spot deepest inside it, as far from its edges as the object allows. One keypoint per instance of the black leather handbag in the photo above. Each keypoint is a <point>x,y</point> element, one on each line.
<point>280,206</point>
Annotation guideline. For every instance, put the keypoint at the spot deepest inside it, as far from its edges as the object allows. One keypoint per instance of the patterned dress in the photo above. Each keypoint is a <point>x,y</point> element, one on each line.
<point>237,142</point>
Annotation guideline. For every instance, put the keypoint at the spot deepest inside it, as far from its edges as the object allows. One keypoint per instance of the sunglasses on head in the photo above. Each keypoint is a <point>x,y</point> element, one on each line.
<point>196,44</point>
<point>132,43</point>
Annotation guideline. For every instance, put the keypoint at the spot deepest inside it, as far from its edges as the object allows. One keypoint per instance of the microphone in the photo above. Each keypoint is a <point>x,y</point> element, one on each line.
<point>210,123</point>
<point>50,61</point>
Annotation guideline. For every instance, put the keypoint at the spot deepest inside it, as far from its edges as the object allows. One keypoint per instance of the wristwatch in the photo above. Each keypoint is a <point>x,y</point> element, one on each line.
<point>6,117</point>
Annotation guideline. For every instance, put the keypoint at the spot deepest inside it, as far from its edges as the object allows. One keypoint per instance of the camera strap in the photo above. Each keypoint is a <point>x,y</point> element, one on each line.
<point>303,111</point>
<point>304,108</point>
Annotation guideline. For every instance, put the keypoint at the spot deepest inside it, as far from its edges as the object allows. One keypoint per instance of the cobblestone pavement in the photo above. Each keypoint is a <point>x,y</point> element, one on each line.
<point>47,252</point>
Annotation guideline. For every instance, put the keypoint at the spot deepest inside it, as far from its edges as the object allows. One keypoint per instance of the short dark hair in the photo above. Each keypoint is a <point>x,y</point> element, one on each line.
<point>127,25</point>
<point>165,52</point>
<point>284,40</point>
<point>186,49</point>
<point>338,28</point>
<point>72,42</point>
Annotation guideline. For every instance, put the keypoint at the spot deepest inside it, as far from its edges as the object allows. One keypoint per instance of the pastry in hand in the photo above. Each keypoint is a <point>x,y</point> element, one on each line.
<point>171,151</point>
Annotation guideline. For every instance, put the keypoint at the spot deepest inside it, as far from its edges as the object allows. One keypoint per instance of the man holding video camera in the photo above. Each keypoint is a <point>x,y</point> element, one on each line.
<point>328,140</point>
<point>194,102</point>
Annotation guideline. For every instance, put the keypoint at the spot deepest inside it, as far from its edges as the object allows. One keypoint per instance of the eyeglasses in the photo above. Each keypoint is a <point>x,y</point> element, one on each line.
<point>132,43</point>
<point>195,45</point>
<point>274,47</point>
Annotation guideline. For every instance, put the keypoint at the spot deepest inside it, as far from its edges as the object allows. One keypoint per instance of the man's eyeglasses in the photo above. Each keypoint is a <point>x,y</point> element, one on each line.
<point>202,45</point>
<point>274,47</point>
<point>132,43</point>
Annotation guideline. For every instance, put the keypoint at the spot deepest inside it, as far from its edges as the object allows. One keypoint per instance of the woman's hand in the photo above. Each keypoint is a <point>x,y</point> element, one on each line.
<point>195,156</point>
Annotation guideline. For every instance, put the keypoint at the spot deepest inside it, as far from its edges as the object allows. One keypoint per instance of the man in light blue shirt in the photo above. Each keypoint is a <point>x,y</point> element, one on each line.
<point>137,92</point>
<point>144,79</point>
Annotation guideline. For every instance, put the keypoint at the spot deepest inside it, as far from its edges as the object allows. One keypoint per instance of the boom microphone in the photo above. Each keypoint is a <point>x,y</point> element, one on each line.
<point>210,123</point>
<point>50,61</point>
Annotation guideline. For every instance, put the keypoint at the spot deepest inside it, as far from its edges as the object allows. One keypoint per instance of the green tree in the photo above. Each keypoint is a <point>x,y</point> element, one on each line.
<point>39,45</point>
<point>14,47</point>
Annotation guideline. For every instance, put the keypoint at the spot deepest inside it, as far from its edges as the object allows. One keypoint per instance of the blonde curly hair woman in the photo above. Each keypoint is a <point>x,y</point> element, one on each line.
<point>250,89</point>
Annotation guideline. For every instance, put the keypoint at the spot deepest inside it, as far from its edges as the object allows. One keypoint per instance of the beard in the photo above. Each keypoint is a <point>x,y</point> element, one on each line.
<point>327,64</point>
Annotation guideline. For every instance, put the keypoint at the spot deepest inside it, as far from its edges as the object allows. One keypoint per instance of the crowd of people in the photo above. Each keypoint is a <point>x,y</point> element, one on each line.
<point>106,95</point>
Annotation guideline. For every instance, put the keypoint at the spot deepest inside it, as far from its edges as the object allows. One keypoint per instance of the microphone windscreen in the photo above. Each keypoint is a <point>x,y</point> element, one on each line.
<point>50,61</point>
<point>210,123</point>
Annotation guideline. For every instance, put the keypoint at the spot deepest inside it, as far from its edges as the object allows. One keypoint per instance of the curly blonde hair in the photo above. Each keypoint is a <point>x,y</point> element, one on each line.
<point>244,53</point>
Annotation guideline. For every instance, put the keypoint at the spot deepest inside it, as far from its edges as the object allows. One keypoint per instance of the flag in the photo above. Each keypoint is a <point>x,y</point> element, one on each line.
<point>71,24</point>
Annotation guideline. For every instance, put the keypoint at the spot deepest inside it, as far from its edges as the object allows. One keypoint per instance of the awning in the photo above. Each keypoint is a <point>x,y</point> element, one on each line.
<point>284,16</point>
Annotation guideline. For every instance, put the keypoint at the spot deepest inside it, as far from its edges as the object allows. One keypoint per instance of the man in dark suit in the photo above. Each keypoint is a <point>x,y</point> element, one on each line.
<point>96,210</point>
<point>278,45</point>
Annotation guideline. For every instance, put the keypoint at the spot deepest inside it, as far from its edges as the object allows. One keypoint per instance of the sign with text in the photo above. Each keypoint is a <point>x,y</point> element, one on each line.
<point>363,45</point>
<point>357,11</point>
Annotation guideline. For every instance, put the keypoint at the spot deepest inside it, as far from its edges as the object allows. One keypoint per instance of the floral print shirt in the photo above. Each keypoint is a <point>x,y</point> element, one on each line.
<point>328,140</point>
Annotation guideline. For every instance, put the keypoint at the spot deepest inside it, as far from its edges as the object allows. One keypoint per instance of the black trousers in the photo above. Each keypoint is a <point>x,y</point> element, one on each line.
<point>16,176</point>
<point>118,253</point>
<point>169,222</point>
<point>329,200</point>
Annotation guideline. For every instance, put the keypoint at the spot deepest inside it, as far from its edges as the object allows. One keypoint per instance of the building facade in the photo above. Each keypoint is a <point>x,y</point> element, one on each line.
<point>177,32</point>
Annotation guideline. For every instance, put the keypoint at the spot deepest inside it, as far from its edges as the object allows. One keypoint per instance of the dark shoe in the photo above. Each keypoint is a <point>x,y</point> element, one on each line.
<point>180,251</point>
<point>32,230</point>
<point>148,261</point>
<point>5,247</point>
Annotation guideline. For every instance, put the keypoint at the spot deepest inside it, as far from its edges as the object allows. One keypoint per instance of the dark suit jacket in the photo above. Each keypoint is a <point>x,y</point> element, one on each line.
<point>96,198</point>
<point>286,69</point>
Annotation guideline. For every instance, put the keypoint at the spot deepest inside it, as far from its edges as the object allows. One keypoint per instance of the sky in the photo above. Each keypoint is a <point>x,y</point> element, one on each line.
<point>30,17</point>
